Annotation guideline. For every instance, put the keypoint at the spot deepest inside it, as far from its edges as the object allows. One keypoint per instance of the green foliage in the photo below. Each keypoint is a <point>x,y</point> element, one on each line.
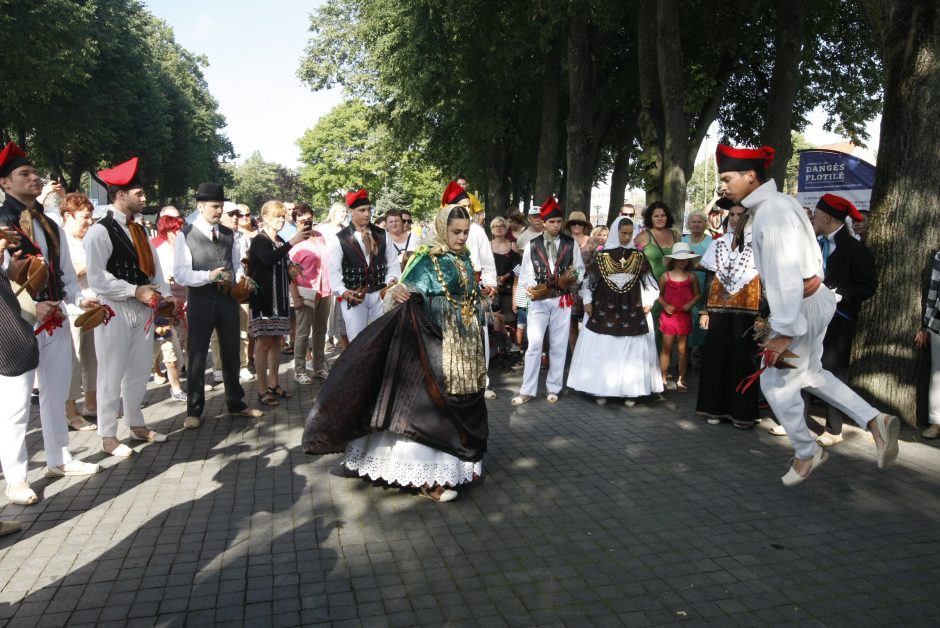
<point>93,83</point>
<point>798,141</point>
<point>256,181</point>
<point>351,148</point>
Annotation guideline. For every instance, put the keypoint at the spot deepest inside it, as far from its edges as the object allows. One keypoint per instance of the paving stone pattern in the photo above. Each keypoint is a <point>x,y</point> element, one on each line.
<point>587,516</point>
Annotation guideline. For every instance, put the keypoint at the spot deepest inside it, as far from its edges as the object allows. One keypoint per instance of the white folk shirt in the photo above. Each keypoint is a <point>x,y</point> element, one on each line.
<point>481,255</point>
<point>98,250</point>
<point>785,253</point>
<point>183,272</point>
<point>72,294</point>
<point>393,268</point>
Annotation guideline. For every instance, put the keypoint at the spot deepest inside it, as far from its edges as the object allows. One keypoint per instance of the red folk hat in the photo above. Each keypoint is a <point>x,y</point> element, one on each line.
<point>453,193</point>
<point>12,158</point>
<point>123,176</point>
<point>742,159</point>
<point>551,209</point>
<point>839,207</point>
<point>356,199</point>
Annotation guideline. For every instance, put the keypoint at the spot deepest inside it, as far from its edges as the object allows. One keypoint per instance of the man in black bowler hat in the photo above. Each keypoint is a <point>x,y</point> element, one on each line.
<point>207,261</point>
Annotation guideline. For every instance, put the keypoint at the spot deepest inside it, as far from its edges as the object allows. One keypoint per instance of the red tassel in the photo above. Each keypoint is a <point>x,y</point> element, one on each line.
<point>566,300</point>
<point>748,381</point>
<point>108,314</point>
<point>49,325</point>
<point>154,305</point>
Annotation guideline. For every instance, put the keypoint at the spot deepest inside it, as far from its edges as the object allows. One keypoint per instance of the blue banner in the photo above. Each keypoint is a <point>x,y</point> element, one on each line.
<point>832,172</point>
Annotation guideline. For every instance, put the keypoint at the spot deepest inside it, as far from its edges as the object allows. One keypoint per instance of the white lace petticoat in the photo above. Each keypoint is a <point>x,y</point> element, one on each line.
<point>399,460</point>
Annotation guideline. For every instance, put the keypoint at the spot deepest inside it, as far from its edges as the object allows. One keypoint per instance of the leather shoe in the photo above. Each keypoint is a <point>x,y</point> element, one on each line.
<point>249,412</point>
<point>551,398</point>
<point>792,477</point>
<point>192,422</point>
<point>447,495</point>
<point>931,432</point>
<point>9,527</point>
<point>888,428</point>
<point>75,467</point>
<point>518,400</point>
<point>150,437</point>
<point>777,430</point>
<point>828,440</point>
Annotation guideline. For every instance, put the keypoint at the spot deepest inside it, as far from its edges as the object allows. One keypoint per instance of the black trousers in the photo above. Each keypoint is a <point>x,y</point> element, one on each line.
<point>205,314</point>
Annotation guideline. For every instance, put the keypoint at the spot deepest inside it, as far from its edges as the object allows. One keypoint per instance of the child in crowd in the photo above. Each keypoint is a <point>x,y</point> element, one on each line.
<point>167,346</point>
<point>678,293</point>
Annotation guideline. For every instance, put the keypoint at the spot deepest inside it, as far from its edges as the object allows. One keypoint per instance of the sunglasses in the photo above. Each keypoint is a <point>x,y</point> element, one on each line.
<point>408,222</point>
<point>236,213</point>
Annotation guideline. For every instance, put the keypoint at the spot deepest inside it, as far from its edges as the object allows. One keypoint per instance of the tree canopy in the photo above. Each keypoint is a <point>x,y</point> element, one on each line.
<point>76,99</point>
<point>551,96</point>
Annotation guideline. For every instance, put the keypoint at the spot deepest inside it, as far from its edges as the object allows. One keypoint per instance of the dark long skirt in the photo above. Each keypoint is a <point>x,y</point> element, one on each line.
<point>391,378</point>
<point>728,356</point>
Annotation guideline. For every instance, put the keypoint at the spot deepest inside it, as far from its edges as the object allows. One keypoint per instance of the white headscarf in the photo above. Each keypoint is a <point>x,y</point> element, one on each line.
<point>613,236</point>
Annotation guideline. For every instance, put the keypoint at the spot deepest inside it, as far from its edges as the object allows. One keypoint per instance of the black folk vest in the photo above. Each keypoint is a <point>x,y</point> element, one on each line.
<point>123,261</point>
<point>10,217</point>
<point>208,255</point>
<point>356,273</point>
<point>543,273</point>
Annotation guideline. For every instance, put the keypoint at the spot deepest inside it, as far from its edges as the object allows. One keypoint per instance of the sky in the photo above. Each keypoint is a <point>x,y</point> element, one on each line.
<point>254,50</point>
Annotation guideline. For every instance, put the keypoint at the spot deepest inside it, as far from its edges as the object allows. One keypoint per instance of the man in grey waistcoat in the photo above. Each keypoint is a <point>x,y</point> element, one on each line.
<point>206,260</point>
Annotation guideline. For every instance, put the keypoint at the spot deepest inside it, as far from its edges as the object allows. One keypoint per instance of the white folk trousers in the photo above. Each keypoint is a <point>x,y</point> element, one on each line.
<point>782,387</point>
<point>546,315</point>
<point>125,358</point>
<point>359,316</point>
<point>54,375</point>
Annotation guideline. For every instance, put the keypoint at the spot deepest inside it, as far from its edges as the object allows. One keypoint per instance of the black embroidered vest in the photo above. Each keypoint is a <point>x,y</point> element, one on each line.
<point>209,255</point>
<point>123,261</point>
<point>356,273</point>
<point>10,217</point>
<point>565,258</point>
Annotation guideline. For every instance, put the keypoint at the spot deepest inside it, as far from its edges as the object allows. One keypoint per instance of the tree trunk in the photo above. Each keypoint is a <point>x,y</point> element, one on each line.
<point>582,90</point>
<point>905,222</point>
<point>788,44</point>
<point>497,182</point>
<point>547,167</point>
<point>673,92</point>
<point>618,182</point>
<point>650,119</point>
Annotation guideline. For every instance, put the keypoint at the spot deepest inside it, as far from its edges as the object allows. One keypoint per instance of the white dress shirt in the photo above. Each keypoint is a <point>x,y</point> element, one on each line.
<point>527,276</point>
<point>183,272</point>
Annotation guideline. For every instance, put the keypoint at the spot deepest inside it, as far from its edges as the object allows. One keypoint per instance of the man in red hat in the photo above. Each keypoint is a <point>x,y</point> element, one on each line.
<point>122,270</point>
<point>363,265</point>
<point>38,238</point>
<point>789,261</point>
<point>849,269</point>
<point>551,269</point>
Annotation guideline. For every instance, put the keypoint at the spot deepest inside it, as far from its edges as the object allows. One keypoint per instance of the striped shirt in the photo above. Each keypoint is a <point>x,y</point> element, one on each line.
<point>931,306</point>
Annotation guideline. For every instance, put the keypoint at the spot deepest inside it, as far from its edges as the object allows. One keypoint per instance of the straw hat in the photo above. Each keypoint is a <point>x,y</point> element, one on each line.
<point>575,218</point>
<point>681,250</point>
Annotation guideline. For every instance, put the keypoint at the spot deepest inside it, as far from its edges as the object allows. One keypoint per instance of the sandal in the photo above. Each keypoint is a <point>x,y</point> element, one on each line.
<point>681,387</point>
<point>280,392</point>
<point>267,399</point>
<point>79,424</point>
<point>518,400</point>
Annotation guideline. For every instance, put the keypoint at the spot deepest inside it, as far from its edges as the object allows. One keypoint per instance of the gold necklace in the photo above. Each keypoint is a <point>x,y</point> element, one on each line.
<point>630,264</point>
<point>466,306</point>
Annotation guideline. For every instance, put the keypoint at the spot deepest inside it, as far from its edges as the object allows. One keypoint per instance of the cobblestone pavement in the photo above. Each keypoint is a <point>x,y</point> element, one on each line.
<point>587,516</point>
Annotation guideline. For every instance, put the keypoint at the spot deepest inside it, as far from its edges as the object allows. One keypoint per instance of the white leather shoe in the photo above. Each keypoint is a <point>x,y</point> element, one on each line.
<point>600,401</point>
<point>828,440</point>
<point>551,398</point>
<point>629,402</point>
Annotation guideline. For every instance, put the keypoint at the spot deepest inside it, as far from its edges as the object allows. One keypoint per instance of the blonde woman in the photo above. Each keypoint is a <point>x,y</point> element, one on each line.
<point>270,304</point>
<point>699,241</point>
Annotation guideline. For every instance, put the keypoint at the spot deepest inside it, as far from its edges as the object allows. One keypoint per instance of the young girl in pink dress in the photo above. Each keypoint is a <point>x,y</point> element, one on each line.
<point>678,293</point>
